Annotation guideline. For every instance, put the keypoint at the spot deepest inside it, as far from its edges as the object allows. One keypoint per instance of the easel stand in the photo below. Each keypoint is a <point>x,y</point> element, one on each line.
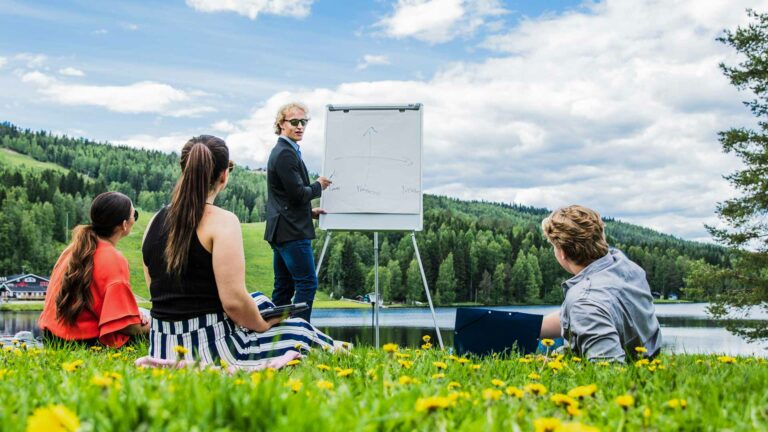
<point>377,300</point>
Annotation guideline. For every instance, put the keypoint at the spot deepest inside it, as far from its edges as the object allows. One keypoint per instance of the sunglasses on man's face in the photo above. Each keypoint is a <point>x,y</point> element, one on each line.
<point>296,122</point>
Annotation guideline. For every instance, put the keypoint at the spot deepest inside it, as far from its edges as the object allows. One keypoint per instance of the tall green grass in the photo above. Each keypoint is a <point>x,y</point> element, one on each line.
<point>405,390</point>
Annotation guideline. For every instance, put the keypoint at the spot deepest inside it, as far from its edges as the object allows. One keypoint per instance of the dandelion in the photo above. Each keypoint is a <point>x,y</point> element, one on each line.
<point>640,350</point>
<point>440,365</point>
<point>514,392</point>
<point>573,410</point>
<point>535,388</point>
<point>324,385</point>
<point>547,342</point>
<point>433,403</point>
<point>475,367</point>
<point>642,362</point>
<point>405,363</point>
<point>491,394</point>
<point>405,380</point>
<point>453,384</point>
<point>576,427</point>
<point>524,360</point>
<point>438,376</point>
<point>256,378</point>
<point>534,376</point>
<point>129,349</point>
<point>555,365</point>
<point>498,382</point>
<point>293,362</point>
<point>546,424</point>
<point>576,359</point>
<point>178,349</point>
<point>390,347</point>
<point>402,355</point>
<point>462,360</point>
<point>8,348</point>
<point>344,372</point>
<point>323,367</point>
<point>603,363</point>
<point>71,366</point>
<point>726,359</point>
<point>677,403</point>
<point>371,373</point>
<point>426,338</point>
<point>104,381</point>
<point>647,413</point>
<point>96,348</point>
<point>4,373</point>
<point>583,391</point>
<point>625,401</point>
<point>564,400</point>
<point>53,418</point>
<point>426,346</point>
<point>294,384</point>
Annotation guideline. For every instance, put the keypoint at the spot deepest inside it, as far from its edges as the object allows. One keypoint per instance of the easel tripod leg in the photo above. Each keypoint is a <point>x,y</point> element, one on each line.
<point>426,290</point>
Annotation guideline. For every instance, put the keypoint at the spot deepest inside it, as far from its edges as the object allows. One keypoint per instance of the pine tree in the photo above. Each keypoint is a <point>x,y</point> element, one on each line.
<point>445,289</point>
<point>414,284</point>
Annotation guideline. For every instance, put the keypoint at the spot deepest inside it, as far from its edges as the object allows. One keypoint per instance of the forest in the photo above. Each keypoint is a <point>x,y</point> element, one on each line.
<point>472,251</point>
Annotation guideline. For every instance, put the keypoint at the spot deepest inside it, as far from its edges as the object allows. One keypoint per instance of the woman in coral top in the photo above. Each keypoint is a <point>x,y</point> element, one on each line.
<point>89,296</point>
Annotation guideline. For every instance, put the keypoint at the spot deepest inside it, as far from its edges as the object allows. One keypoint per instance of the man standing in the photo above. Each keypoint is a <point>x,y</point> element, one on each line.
<point>289,211</point>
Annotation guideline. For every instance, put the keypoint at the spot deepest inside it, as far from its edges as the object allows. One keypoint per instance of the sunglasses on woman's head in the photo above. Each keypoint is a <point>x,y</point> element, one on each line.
<point>230,166</point>
<point>135,215</point>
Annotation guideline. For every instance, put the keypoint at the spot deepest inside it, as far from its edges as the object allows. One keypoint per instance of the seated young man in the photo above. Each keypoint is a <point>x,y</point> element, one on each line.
<point>608,308</point>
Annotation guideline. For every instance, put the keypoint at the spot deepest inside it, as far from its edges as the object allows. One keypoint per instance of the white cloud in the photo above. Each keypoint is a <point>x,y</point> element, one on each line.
<point>70,71</point>
<point>130,26</point>
<point>370,60</point>
<point>616,108</point>
<point>224,126</point>
<point>141,97</point>
<point>438,21</point>
<point>31,60</point>
<point>252,8</point>
<point>170,143</point>
<point>100,32</point>
<point>3,62</point>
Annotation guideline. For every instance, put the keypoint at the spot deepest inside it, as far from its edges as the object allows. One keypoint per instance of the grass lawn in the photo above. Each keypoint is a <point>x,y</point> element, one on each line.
<point>370,389</point>
<point>10,157</point>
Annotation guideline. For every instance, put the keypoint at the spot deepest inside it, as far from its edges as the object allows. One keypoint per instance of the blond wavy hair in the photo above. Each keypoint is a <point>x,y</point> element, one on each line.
<point>578,231</point>
<point>280,117</point>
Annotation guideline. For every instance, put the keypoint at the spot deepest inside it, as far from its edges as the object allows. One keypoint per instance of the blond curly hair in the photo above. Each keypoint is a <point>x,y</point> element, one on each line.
<point>578,231</point>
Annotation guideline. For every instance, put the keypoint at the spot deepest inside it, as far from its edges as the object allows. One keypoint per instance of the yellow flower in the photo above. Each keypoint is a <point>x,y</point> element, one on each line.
<point>677,403</point>
<point>535,388</point>
<point>71,366</point>
<point>547,342</point>
<point>256,378</point>
<point>433,403</point>
<point>402,355</point>
<point>96,348</point>
<point>563,400</point>
<point>546,424</point>
<point>405,363</point>
<point>53,418</point>
<point>294,384</point>
<point>462,360</point>
<point>438,376</point>
<point>426,338</point>
<point>129,349</point>
<point>390,347</point>
<point>223,363</point>
<point>180,350</point>
<point>293,362</point>
<point>8,348</point>
<point>514,392</point>
<point>116,355</point>
<point>583,391</point>
<point>642,362</point>
<point>573,410</point>
<point>344,372</point>
<point>603,363</point>
<point>324,385</point>
<point>4,373</point>
<point>453,385</point>
<point>405,380</point>
<point>640,350</point>
<point>524,360</point>
<point>426,346</point>
<point>497,382</point>
<point>726,359</point>
<point>576,427</point>
<point>647,412</point>
<point>492,394</point>
<point>323,367</point>
<point>475,367</point>
<point>440,365</point>
<point>625,401</point>
<point>576,359</point>
<point>555,365</point>
<point>534,376</point>
<point>102,381</point>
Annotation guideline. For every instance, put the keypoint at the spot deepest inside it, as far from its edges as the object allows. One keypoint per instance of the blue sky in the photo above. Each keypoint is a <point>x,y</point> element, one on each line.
<point>613,104</point>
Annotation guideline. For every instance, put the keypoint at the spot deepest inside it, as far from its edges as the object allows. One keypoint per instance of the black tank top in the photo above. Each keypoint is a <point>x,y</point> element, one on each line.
<point>191,295</point>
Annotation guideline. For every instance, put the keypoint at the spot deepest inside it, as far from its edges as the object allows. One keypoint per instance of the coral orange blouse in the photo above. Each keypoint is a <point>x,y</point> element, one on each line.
<point>114,306</point>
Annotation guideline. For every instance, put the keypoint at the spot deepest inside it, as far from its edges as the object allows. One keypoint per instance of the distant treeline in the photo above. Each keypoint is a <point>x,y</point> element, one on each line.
<point>472,251</point>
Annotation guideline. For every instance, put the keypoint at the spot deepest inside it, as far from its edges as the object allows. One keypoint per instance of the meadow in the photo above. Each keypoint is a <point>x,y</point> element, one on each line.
<point>393,388</point>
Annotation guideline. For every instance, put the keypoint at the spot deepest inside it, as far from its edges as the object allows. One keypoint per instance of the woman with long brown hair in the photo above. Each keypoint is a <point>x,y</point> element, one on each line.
<point>194,264</point>
<point>89,296</point>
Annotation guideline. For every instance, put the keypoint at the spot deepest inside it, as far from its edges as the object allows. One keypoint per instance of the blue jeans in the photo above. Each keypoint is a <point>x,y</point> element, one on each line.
<point>294,266</point>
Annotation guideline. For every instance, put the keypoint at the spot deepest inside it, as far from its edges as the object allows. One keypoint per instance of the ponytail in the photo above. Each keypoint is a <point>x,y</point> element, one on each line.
<point>187,205</point>
<point>75,294</point>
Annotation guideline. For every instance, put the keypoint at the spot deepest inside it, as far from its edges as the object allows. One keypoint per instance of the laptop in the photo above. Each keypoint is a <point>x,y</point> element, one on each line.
<point>483,331</point>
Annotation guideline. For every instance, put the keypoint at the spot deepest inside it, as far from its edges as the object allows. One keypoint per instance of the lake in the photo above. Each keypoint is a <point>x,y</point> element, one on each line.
<point>686,327</point>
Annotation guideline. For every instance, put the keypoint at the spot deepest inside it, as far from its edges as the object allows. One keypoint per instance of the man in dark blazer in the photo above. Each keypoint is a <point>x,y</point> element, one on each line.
<point>289,211</point>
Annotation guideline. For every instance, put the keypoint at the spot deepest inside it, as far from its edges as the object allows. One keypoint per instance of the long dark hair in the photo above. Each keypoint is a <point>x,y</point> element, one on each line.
<point>203,159</point>
<point>108,211</point>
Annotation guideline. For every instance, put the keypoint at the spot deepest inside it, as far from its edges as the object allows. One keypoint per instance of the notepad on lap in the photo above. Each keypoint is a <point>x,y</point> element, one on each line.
<point>284,311</point>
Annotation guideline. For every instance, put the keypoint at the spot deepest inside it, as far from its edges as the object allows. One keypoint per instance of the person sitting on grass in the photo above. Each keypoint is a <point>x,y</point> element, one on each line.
<point>608,307</point>
<point>89,297</point>
<point>194,264</point>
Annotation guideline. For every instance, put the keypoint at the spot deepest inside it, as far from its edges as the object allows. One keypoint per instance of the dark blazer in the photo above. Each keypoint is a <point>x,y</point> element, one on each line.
<point>289,196</point>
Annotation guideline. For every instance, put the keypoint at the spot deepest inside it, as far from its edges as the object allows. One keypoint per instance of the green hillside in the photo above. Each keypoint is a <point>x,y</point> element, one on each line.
<point>10,157</point>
